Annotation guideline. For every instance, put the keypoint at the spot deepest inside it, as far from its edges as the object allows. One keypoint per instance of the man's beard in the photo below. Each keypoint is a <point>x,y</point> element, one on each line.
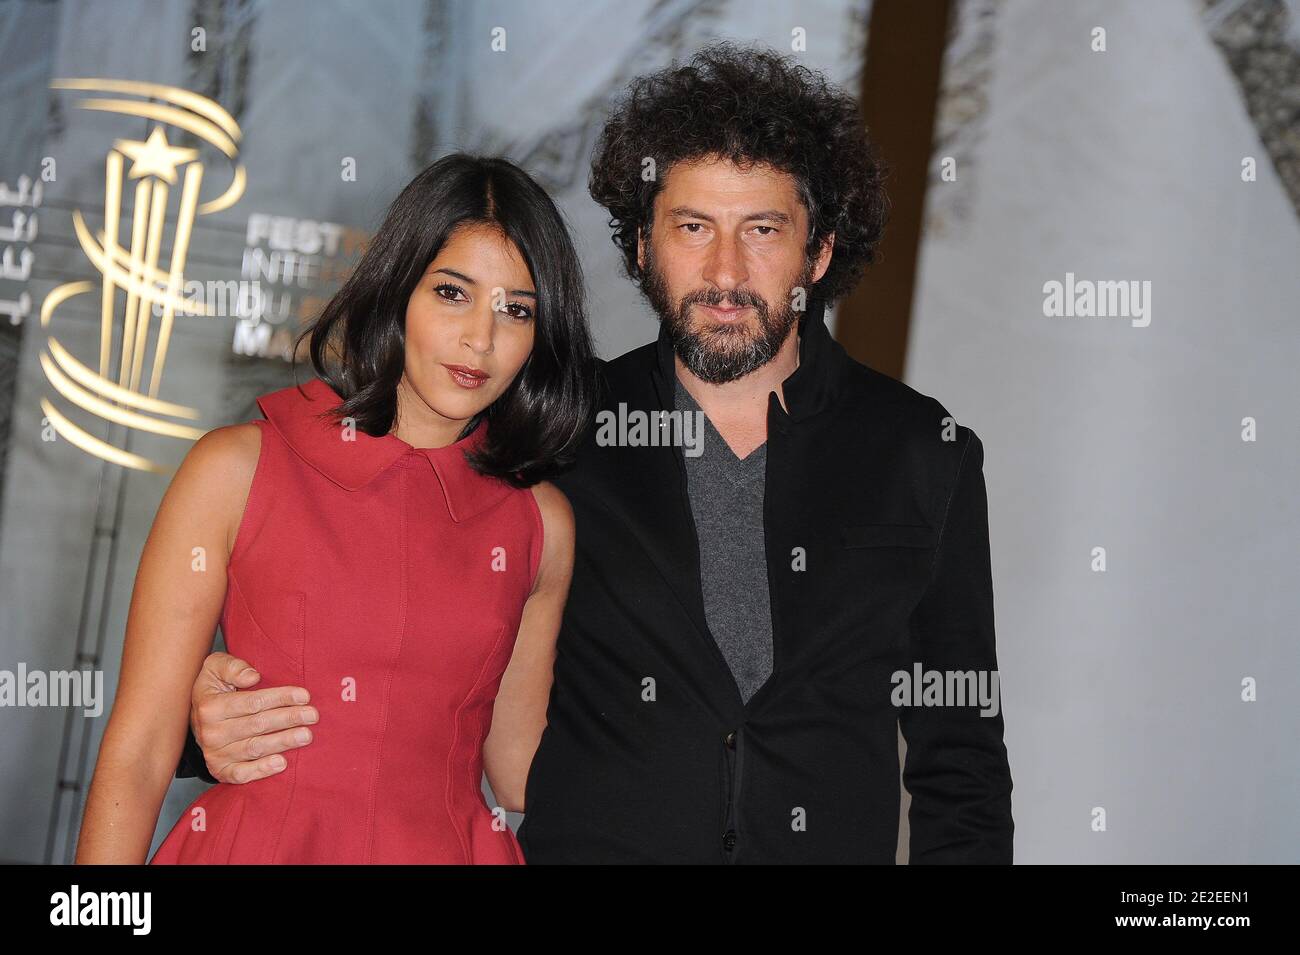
<point>722,353</point>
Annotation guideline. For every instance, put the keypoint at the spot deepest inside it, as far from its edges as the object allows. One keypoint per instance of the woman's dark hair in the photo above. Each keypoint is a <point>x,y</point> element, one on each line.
<point>358,342</point>
<point>749,105</point>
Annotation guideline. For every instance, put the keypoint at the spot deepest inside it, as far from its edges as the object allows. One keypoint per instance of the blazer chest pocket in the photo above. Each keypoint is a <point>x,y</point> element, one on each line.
<point>887,535</point>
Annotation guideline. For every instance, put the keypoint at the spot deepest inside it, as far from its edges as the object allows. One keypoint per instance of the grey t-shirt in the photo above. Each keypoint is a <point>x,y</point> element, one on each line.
<point>726,495</point>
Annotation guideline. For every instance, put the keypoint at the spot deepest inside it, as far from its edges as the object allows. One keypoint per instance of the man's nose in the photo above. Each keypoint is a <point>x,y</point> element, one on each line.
<point>725,267</point>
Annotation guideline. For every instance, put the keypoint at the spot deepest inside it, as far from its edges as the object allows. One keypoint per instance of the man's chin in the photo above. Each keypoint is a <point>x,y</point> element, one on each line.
<point>719,365</point>
<point>744,328</point>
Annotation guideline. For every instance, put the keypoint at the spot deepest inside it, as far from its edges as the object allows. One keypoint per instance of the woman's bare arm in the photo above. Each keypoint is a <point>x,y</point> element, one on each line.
<point>180,588</point>
<point>519,714</point>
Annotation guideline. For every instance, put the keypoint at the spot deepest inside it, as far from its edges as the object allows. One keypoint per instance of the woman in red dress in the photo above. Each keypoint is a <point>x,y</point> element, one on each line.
<point>384,538</point>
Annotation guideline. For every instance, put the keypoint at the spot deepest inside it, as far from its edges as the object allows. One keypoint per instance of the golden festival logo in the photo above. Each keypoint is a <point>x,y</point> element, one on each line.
<point>134,270</point>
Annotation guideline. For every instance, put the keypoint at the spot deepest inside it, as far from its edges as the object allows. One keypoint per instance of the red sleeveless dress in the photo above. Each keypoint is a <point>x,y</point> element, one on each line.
<point>389,581</point>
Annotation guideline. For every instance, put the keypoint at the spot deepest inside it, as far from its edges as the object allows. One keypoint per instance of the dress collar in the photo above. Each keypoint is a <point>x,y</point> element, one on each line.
<point>810,387</point>
<point>295,412</point>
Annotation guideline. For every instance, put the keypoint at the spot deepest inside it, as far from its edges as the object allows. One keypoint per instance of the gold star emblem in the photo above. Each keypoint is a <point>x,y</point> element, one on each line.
<point>155,156</point>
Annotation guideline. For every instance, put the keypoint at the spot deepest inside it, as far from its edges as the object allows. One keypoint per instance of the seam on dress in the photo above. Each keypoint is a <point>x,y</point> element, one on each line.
<point>388,681</point>
<point>455,739</point>
<point>302,675</point>
<point>237,591</point>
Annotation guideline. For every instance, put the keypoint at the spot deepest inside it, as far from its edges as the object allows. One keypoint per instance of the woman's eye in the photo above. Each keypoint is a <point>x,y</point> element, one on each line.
<point>524,312</point>
<point>448,291</point>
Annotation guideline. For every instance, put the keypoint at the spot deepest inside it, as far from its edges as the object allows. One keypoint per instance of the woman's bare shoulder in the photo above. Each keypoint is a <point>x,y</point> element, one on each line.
<point>227,453</point>
<point>557,512</point>
<point>217,474</point>
<point>558,532</point>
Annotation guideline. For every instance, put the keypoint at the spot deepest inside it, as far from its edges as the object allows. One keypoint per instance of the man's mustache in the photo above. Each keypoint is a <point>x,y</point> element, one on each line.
<point>716,298</point>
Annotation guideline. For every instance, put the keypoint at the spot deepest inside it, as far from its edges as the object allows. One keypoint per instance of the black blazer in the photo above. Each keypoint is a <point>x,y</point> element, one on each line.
<point>878,560</point>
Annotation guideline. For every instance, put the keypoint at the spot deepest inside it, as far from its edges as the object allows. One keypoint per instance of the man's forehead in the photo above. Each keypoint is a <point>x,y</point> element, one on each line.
<point>724,183</point>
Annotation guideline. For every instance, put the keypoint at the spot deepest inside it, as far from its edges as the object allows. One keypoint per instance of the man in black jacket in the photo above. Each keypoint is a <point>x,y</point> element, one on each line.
<point>758,607</point>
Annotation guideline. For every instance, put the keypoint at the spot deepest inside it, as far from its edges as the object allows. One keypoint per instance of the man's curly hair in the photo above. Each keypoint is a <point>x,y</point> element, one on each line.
<point>749,105</point>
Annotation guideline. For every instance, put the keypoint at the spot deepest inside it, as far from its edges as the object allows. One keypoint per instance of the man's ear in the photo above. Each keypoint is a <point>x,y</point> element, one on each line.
<point>823,258</point>
<point>640,250</point>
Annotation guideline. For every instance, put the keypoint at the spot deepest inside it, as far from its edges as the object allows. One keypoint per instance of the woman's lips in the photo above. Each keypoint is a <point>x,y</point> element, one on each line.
<point>465,376</point>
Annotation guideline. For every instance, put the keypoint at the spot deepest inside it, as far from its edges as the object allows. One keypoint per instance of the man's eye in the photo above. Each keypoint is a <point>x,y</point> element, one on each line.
<point>692,226</point>
<point>770,229</point>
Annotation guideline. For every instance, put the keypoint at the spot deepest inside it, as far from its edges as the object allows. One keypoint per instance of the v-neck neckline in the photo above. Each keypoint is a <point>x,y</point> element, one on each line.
<point>690,404</point>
